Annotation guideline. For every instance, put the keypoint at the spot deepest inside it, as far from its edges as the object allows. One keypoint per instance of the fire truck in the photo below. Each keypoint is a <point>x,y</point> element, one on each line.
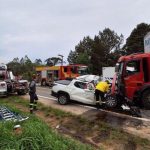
<point>131,83</point>
<point>47,74</point>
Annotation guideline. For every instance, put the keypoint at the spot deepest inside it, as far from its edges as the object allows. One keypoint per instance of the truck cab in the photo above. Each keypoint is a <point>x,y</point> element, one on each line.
<point>132,83</point>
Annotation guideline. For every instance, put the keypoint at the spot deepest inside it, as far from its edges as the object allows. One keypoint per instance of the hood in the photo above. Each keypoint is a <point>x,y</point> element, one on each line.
<point>88,78</point>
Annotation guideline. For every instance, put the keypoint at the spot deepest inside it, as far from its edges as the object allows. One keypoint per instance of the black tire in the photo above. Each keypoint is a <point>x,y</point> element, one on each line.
<point>111,102</point>
<point>146,99</point>
<point>63,99</point>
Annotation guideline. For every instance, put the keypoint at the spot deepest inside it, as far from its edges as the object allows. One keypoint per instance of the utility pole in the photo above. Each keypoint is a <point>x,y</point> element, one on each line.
<point>61,59</point>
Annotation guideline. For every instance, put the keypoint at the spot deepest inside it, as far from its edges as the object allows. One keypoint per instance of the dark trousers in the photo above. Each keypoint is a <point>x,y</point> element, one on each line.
<point>99,94</point>
<point>33,102</point>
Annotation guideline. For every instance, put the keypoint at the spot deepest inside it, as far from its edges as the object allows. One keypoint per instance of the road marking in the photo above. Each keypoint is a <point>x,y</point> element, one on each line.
<point>115,113</point>
<point>47,97</point>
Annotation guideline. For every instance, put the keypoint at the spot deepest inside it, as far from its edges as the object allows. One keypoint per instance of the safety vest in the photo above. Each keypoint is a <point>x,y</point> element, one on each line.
<point>102,86</point>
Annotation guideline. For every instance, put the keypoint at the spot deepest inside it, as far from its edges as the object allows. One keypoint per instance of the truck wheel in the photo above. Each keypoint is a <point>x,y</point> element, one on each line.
<point>63,99</point>
<point>146,99</point>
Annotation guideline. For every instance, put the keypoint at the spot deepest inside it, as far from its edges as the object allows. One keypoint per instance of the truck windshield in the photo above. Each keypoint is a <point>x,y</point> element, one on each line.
<point>82,70</point>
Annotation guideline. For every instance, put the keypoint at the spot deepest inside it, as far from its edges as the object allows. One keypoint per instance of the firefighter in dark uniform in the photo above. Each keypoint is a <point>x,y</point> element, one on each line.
<point>32,93</point>
<point>101,88</point>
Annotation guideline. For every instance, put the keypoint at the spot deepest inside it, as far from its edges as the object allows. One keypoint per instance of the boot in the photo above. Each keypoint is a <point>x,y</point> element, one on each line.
<point>31,111</point>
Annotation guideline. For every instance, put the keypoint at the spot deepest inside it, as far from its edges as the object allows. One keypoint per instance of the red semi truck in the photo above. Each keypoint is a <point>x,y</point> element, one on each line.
<point>132,80</point>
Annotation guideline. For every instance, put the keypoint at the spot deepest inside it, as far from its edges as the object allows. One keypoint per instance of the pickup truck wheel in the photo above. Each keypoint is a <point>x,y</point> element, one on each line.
<point>111,102</point>
<point>146,99</point>
<point>63,99</point>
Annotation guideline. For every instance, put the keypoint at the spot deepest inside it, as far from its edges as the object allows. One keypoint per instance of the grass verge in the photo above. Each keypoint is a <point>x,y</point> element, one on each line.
<point>34,134</point>
<point>98,131</point>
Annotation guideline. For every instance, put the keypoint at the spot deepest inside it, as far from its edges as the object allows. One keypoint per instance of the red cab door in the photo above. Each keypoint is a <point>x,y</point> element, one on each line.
<point>134,77</point>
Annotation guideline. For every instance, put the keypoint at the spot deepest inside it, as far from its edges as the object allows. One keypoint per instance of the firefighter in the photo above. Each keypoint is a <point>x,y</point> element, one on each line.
<point>32,93</point>
<point>101,88</point>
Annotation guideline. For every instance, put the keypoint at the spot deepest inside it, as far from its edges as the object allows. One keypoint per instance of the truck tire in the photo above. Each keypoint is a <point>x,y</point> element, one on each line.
<point>63,98</point>
<point>146,99</point>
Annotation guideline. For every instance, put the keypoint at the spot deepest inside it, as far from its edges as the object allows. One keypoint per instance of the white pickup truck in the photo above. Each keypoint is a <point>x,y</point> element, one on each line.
<point>79,90</point>
<point>66,90</point>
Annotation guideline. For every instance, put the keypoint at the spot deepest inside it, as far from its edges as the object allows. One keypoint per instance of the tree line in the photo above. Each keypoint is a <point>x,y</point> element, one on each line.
<point>101,51</point>
<point>106,47</point>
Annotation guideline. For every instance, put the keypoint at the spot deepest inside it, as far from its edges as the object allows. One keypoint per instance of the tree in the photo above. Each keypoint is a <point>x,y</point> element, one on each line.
<point>84,46</point>
<point>110,40</point>
<point>38,61</point>
<point>98,52</point>
<point>83,58</point>
<point>72,57</point>
<point>105,50</point>
<point>52,61</point>
<point>15,60</point>
<point>56,60</point>
<point>97,57</point>
<point>82,52</point>
<point>23,67</point>
<point>135,42</point>
<point>49,62</point>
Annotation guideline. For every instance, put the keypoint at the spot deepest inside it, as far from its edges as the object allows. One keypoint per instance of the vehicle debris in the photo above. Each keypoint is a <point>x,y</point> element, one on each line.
<point>8,115</point>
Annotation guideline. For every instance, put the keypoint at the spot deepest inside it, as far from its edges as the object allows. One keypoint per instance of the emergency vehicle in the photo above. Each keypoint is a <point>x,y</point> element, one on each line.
<point>47,74</point>
<point>131,83</point>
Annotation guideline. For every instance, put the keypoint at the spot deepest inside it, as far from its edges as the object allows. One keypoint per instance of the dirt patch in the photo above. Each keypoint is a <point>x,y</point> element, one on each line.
<point>101,136</point>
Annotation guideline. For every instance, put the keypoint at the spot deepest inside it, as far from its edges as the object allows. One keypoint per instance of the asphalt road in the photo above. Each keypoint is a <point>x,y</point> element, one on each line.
<point>45,92</point>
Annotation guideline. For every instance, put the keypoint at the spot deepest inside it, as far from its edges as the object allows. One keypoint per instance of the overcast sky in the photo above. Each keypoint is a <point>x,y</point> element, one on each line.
<point>46,28</point>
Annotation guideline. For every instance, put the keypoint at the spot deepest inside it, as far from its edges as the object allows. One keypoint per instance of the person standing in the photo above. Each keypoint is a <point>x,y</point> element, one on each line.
<point>32,93</point>
<point>101,88</point>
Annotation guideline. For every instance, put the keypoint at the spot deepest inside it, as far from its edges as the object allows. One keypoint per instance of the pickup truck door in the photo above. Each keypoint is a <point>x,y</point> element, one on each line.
<point>80,93</point>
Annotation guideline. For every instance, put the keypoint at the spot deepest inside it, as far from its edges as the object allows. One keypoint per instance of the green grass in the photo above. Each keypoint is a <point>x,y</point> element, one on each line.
<point>115,135</point>
<point>35,135</point>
